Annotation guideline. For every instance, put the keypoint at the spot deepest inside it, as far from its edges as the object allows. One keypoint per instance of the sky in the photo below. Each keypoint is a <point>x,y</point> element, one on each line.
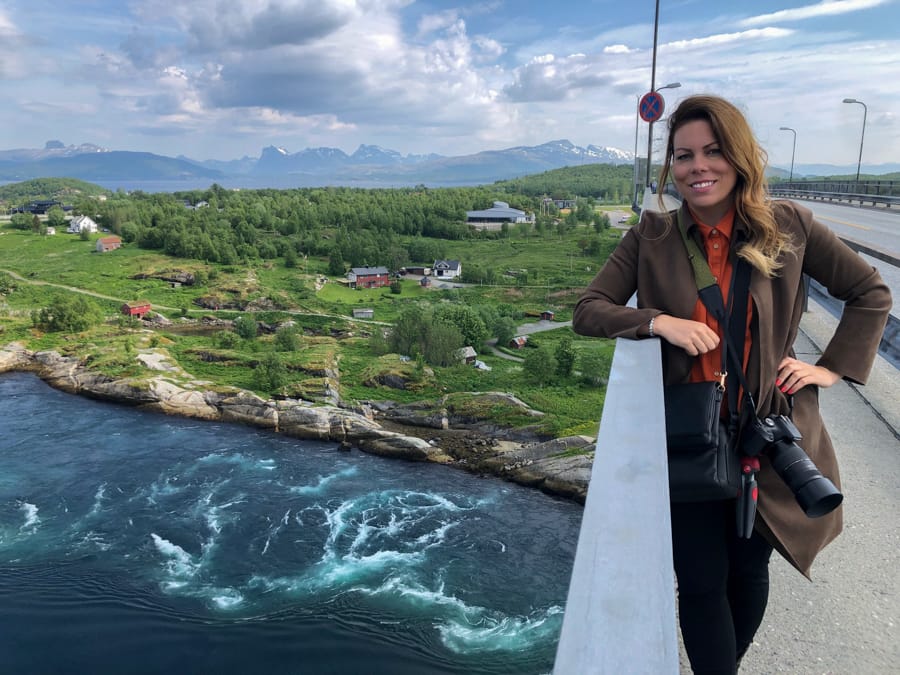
<point>221,79</point>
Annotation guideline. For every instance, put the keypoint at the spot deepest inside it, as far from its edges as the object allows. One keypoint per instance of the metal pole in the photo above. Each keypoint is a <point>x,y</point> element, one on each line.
<point>634,179</point>
<point>793,150</point>
<point>863,137</point>
<point>652,88</point>
<point>671,85</point>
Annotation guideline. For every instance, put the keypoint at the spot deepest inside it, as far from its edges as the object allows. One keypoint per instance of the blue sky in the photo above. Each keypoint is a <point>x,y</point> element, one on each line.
<point>220,79</point>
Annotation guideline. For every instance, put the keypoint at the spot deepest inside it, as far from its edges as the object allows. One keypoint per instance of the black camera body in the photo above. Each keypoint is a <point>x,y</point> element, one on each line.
<point>777,436</point>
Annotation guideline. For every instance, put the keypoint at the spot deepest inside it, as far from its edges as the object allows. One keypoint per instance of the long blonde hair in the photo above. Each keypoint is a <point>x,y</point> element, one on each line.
<point>766,242</point>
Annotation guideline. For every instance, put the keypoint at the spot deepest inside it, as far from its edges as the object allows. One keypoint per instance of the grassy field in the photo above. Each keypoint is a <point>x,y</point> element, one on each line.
<point>330,340</point>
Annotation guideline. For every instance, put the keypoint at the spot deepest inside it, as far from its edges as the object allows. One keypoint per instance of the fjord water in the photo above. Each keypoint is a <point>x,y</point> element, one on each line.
<point>140,543</point>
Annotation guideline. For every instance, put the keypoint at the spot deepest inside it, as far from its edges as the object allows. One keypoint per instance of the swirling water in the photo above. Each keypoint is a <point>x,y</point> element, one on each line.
<point>135,542</point>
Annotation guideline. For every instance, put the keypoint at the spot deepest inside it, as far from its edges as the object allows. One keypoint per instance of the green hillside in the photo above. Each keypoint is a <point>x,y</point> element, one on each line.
<point>62,189</point>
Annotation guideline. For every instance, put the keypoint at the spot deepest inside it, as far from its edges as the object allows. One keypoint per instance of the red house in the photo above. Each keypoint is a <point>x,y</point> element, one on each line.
<point>518,342</point>
<point>368,277</point>
<point>110,243</point>
<point>137,308</point>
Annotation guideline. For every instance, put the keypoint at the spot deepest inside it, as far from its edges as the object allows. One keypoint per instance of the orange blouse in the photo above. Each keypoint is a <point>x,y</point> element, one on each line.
<point>717,242</point>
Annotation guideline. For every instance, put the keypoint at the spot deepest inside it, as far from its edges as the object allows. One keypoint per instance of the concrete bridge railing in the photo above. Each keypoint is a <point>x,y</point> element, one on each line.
<point>620,612</point>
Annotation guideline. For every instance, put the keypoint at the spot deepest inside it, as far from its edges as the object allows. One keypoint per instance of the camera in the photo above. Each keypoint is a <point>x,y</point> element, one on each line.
<point>777,436</point>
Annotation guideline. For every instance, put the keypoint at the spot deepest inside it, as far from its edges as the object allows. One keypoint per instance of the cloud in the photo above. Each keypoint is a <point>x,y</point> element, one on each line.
<point>824,8</point>
<point>726,38</point>
<point>212,26</point>
<point>549,78</point>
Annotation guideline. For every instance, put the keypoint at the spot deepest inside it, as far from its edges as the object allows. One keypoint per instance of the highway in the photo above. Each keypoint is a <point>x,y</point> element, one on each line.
<point>877,228</point>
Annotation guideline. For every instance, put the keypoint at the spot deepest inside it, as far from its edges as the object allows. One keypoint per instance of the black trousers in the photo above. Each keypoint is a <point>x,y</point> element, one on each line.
<point>723,584</point>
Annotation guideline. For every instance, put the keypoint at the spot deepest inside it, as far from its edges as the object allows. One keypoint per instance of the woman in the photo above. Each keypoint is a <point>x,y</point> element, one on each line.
<point>718,167</point>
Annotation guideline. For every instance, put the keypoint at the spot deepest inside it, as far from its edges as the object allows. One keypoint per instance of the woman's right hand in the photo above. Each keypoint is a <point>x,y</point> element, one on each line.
<point>692,336</point>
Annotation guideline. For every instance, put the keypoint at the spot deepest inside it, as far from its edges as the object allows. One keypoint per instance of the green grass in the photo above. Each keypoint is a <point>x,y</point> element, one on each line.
<point>331,338</point>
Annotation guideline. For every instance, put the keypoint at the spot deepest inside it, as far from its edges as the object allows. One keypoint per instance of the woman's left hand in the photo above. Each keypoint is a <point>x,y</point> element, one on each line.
<point>794,374</point>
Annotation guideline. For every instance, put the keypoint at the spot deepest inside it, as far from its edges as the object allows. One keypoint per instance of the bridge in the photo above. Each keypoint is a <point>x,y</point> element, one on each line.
<point>621,611</point>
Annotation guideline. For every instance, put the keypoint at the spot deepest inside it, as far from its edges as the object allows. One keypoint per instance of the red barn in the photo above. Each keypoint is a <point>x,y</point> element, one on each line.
<point>110,243</point>
<point>137,308</point>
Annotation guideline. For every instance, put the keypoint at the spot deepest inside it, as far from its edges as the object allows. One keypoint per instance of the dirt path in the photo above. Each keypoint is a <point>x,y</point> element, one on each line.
<point>37,282</point>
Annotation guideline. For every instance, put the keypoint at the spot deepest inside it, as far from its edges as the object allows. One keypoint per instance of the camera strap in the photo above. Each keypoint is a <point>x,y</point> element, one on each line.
<point>733,321</point>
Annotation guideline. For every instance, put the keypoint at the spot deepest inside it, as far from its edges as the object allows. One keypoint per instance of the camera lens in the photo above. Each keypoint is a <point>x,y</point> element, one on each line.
<point>815,494</point>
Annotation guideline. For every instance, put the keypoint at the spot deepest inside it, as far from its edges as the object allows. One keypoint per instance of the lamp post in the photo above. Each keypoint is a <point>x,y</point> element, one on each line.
<point>861,138</point>
<point>634,178</point>
<point>793,150</point>
<point>671,85</point>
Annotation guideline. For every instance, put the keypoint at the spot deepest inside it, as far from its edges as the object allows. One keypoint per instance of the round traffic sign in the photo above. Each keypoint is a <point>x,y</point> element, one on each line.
<point>651,106</point>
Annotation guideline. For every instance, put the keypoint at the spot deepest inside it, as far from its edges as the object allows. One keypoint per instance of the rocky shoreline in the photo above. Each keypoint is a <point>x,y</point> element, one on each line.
<point>416,432</point>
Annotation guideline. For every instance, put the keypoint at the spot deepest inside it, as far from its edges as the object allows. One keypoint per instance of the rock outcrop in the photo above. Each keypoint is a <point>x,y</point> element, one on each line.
<point>557,466</point>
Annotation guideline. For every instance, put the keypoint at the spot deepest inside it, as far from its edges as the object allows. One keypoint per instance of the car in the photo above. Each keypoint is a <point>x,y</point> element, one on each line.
<point>624,219</point>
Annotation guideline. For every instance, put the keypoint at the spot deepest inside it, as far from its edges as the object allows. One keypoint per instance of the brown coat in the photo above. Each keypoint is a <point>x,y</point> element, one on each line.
<point>651,259</point>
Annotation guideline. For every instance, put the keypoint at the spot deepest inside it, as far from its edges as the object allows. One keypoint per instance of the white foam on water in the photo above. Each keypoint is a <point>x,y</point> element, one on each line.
<point>179,563</point>
<point>352,569</point>
<point>95,540</point>
<point>239,459</point>
<point>99,496</point>
<point>228,599</point>
<point>323,482</point>
<point>497,634</point>
<point>31,518</point>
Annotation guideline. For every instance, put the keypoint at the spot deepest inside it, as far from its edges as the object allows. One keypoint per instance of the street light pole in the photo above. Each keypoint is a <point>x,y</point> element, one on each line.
<point>793,150</point>
<point>671,85</point>
<point>863,137</point>
<point>634,178</point>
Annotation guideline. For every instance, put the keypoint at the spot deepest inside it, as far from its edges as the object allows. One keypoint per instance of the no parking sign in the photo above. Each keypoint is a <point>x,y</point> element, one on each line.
<point>651,106</point>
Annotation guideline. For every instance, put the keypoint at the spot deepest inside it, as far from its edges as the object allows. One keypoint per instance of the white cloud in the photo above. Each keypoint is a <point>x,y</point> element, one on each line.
<point>228,77</point>
<point>824,8</point>
<point>726,38</point>
<point>552,78</point>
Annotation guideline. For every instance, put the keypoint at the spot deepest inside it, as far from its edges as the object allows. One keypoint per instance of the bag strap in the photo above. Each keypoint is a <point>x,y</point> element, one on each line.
<point>734,330</point>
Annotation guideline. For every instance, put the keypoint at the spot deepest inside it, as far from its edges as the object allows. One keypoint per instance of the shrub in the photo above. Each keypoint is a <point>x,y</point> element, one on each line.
<point>246,327</point>
<point>69,314</point>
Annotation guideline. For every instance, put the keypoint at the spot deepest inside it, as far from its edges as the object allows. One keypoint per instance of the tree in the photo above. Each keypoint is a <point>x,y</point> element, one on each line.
<point>270,373</point>
<point>539,365</point>
<point>442,343</point>
<point>565,357</point>
<point>20,221</point>
<point>409,329</point>
<point>246,327</point>
<point>466,321</point>
<point>396,288</point>
<point>594,366</point>
<point>336,263</point>
<point>290,257</point>
<point>504,330</point>
<point>286,339</point>
<point>56,217</point>
<point>69,314</point>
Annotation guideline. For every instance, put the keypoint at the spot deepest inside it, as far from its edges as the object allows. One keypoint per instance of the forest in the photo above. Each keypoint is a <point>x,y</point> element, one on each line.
<point>350,226</point>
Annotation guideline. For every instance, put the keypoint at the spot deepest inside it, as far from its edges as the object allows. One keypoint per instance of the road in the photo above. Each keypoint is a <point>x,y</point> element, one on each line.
<point>878,228</point>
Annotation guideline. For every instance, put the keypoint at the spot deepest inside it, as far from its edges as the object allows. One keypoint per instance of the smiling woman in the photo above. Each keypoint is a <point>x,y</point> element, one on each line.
<point>718,167</point>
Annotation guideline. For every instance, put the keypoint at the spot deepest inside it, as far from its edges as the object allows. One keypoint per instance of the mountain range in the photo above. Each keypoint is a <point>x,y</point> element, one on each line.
<point>369,165</point>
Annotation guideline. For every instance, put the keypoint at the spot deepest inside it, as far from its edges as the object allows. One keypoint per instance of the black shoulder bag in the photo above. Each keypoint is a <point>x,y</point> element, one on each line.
<point>704,464</point>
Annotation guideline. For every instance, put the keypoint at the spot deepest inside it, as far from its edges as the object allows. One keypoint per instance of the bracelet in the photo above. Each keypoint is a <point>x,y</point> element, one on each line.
<point>650,326</point>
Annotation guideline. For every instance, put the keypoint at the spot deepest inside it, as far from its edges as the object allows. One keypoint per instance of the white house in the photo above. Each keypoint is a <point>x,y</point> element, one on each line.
<point>447,269</point>
<point>79,223</point>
